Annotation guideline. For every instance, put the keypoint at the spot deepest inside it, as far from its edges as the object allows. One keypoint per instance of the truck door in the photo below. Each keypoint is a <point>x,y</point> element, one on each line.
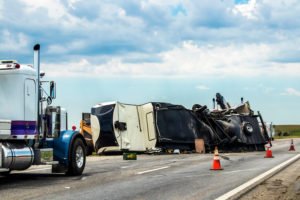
<point>150,126</point>
<point>30,113</point>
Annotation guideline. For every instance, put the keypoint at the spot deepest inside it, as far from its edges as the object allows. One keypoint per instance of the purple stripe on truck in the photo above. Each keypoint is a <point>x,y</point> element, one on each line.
<point>23,128</point>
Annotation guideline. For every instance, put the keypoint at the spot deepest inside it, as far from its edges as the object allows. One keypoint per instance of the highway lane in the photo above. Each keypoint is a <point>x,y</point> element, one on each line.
<point>184,176</point>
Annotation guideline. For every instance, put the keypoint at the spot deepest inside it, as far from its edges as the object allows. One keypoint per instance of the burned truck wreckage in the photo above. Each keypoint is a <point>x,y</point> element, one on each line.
<point>162,126</point>
<point>233,129</point>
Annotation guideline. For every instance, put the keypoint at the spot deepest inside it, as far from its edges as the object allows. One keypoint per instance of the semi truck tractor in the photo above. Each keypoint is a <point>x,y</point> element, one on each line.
<point>32,131</point>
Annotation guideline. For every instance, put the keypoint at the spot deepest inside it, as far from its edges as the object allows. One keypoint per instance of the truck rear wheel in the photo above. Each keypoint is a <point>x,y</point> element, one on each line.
<point>77,158</point>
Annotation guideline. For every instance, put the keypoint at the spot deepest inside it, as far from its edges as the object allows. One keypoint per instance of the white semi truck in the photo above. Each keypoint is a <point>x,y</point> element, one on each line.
<point>31,131</point>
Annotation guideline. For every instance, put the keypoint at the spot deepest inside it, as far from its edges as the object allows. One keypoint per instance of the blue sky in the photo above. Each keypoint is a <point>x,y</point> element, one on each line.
<point>177,51</point>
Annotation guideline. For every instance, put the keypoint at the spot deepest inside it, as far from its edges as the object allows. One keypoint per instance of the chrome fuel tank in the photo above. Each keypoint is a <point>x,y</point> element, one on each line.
<point>16,156</point>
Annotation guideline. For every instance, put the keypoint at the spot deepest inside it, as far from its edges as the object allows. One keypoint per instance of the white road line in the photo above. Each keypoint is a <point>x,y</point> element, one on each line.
<point>243,170</point>
<point>237,192</point>
<point>32,170</point>
<point>152,170</point>
<point>229,172</point>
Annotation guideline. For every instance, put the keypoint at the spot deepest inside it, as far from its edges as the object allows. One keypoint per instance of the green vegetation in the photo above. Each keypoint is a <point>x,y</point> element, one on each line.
<point>287,131</point>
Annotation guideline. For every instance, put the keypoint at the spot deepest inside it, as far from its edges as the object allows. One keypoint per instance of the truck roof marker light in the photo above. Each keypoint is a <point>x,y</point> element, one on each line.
<point>74,128</point>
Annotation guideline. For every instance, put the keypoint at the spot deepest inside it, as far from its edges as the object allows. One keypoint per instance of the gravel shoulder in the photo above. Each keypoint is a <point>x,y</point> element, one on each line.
<point>284,185</point>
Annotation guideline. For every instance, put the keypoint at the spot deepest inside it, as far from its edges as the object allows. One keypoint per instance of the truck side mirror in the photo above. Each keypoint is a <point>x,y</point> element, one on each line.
<point>52,90</point>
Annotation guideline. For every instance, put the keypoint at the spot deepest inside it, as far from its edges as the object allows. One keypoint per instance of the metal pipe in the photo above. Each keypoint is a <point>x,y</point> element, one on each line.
<point>264,128</point>
<point>36,64</point>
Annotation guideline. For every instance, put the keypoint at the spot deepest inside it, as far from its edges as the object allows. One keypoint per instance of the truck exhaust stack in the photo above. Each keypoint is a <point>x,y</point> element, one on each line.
<point>36,57</point>
<point>36,65</point>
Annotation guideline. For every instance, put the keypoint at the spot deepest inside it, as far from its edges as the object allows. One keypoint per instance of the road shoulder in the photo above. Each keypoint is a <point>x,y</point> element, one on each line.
<point>284,185</point>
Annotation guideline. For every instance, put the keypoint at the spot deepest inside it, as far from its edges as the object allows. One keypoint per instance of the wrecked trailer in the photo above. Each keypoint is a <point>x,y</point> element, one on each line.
<point>149,127</point>
<point>232,129</point>
<point>154,126</point>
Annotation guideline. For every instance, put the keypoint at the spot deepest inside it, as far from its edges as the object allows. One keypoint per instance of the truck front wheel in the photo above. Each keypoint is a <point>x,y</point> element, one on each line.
<point>77,158</point>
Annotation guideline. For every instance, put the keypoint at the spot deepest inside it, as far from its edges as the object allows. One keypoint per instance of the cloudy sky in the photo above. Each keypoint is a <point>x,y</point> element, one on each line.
<point>177,51</point>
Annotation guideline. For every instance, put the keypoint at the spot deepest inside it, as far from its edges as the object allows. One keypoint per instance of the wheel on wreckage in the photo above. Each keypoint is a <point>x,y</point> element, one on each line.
<point>248,128</point>
<point>77,158</point>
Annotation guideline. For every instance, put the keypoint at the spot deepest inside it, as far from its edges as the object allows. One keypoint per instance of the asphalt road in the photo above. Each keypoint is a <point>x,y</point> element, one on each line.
<point>184,176</point>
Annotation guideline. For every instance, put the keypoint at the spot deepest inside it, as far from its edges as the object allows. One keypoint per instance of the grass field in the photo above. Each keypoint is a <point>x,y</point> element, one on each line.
<point>287,131</point>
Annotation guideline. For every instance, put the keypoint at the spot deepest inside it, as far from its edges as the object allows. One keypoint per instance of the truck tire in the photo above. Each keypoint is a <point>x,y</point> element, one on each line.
<point>89,150</point>
<point>77,158</point>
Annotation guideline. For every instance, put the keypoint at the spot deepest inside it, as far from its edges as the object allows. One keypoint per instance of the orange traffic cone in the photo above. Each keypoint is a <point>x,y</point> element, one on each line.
<point>269,153</point>
<point>292,147</point>
<point>216,165</point>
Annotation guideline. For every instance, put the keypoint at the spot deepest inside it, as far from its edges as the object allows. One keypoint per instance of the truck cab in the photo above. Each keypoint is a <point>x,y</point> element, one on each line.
<point>32,131</point>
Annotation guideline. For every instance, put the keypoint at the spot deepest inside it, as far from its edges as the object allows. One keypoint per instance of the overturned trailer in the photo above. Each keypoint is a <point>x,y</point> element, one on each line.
<point>148,127</point>
<point>161,126</point>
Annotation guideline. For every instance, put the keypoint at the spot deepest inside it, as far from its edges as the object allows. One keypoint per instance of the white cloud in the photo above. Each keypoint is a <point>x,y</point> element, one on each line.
<point>202,87</point>
<point>54,7</point>
<point>1,8</point>
<point>192,60</point>
<point>57,49</point>
<point>291,92</point>
<point>145,38</point>
<point>12,42</point>
<point>72,2</point>
<point>247,10</point>
<point>51,13</point>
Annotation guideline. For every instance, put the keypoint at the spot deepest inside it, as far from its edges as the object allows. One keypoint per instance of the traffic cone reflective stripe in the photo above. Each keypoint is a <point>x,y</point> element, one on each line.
<point>216,165</point>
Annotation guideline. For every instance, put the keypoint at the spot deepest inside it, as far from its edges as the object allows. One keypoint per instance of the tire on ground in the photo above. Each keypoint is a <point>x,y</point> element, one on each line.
<point>77,158</point>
